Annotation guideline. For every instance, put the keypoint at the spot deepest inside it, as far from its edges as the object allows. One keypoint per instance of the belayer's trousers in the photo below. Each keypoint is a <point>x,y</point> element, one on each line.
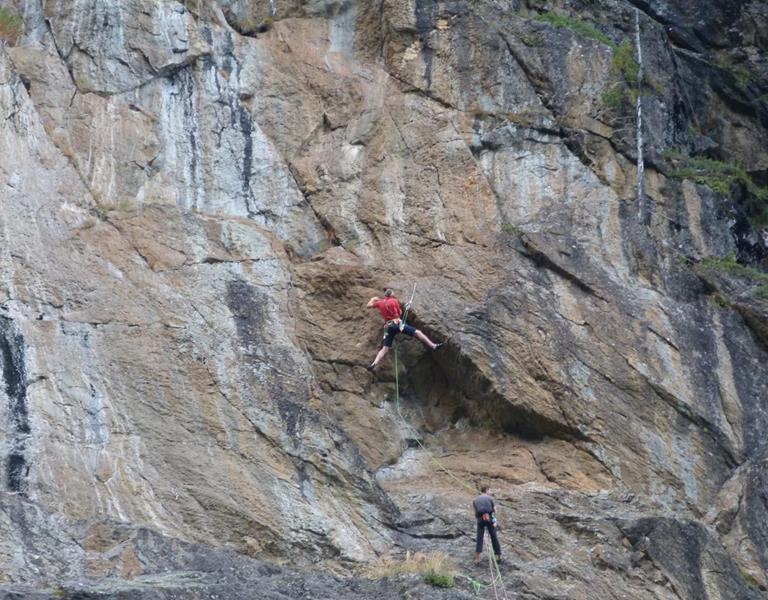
<point>481,527</point>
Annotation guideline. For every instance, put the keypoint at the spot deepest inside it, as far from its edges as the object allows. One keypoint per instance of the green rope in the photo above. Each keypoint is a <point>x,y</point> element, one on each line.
<point>496,577</point>
<point>428,452</point>
<point>477,586</point>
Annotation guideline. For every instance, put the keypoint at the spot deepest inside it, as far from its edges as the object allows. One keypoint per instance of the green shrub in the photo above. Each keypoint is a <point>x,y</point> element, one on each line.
<point>749,579</point>
<point>511,228</point>
<point>721,177</point>
<point>722,263</point>
<point>720,300</point>
<point>743,75</point>
<point>583,28</point>
<point>614,98</point>
<point>624,62</point>
<point>10,25</point>
<point>437,579</point>
<point>627,70</point>
<point>622,96</point>
<point>716,179</point>
<point>729,264</point>
<point>673,153</point>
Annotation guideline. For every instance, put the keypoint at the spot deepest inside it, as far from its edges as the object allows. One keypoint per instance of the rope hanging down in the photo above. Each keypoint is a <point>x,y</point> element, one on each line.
<point>407,308</point>
<point>497,582</point>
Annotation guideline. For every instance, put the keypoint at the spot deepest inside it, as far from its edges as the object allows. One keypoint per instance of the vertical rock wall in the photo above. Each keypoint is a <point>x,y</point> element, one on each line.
<point>198,199</point>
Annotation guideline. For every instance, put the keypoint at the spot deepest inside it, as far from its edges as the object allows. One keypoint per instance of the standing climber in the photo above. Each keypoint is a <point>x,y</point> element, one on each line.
<point>389,307</point>
<point>485,510</point>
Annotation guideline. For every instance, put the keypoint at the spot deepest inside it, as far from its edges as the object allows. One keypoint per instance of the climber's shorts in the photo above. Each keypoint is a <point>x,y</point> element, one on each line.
<point>393,329</point>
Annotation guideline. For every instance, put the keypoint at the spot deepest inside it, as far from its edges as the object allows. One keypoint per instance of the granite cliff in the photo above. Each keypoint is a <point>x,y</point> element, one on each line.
<point>199,197</point>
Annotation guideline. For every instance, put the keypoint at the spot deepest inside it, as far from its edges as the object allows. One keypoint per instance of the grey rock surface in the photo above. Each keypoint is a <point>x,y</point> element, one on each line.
<point>198,199</point>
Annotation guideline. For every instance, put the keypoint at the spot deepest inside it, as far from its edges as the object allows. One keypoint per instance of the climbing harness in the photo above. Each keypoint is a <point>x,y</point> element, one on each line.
<point>497,582</point>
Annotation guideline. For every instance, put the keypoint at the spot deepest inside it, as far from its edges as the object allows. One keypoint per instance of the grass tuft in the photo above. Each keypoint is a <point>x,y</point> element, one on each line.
<point>749,579</point>
<point>718,175</point>
<point>444,580</point>
<point>436,568</point>
<point>622,95</point>
<point>624,62</point>
<point>729,264</point>
<point>583,28</point>
<point>741,73</point>
<point>721,177</point>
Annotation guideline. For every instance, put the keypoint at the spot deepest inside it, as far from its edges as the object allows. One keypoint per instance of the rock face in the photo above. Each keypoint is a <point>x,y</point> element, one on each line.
<point>199,198</point>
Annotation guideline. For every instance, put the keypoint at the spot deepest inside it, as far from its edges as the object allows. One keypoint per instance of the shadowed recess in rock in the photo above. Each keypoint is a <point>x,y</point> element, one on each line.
<point>448,378</point>
<point>684,551</point>
<point>426,13</point>
<point>14,380</point>
<point>246,127</point>
<point>247,306</point>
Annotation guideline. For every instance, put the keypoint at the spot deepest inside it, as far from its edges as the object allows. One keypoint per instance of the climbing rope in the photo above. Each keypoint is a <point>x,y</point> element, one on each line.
<point>497,582</point>
<point>496,576</point>
<point>429,454</point>
<point>493,575</point>
<point>407,308</point>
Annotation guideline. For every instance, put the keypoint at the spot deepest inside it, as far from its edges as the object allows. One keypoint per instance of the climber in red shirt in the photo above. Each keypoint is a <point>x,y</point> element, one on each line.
<point>390,310</point>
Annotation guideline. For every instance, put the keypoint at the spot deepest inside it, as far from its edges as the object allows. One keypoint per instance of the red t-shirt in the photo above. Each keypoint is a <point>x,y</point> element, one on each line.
<point>389,308</point>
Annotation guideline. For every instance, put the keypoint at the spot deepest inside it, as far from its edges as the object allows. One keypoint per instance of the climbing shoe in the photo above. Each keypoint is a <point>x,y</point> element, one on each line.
<point>371,367</point>
<point>438,345</point>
